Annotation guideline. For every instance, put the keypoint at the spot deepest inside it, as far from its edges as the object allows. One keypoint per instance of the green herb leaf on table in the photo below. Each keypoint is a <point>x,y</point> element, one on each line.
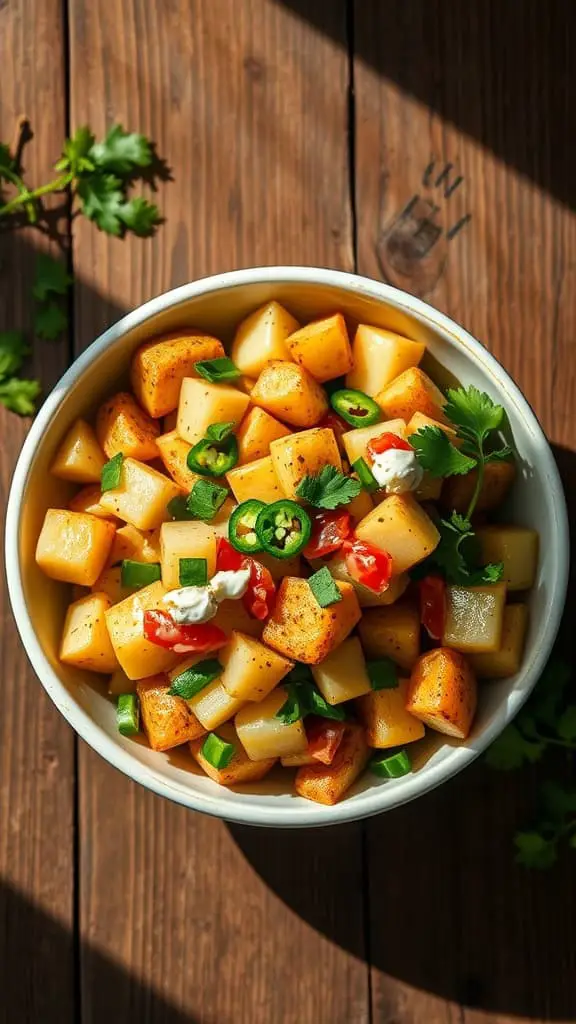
<point>50,320</point>
<point>111,473</point>
<point>102,199</point>
<point>13,350</point>
<point>533,850</point>
<point>120,152</point>
<point>511,749</point>
<point>140,216</point>
<point>51,278</point>
<point>6,159</point>
<point>76,153</point>
<point>437,455</point>
<point>194,679</point>
<point>19,395</point>
<point>328,489</point>
<point>324,588</point>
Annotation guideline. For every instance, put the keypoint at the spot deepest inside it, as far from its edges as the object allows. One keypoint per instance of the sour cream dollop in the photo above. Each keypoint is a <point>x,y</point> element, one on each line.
<point>192,605</point>
<point>397,470</point>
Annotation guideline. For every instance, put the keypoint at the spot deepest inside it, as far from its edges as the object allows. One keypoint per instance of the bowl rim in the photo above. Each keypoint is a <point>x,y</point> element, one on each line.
<point>251,812</point>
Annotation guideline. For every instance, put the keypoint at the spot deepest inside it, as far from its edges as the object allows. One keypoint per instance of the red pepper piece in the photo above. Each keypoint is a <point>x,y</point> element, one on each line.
<point>324,737</point>
<point>433,605</point>
<point>161,629</point>
<point>368,564</point>
<point>329,531</point>
<point>385,443</point>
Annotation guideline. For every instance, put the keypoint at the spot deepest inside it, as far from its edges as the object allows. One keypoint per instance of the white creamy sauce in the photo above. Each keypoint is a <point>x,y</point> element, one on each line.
<point>230,585</point>
<point>397,470</point>
<point>192,605</point>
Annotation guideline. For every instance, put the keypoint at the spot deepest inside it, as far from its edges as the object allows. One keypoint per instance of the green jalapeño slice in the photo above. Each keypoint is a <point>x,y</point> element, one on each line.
<point>242,527</point>
<point>355,407</point>
<point>212,458</point>
<point>283,528</point>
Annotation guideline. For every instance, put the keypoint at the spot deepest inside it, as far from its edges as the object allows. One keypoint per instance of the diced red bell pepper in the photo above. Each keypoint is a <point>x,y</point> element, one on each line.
<point>386,442</point>
<point>324,737</point>
<point>433,605</point>
<point>329,531</point>
<point>261,591</point>
<point>368,565</point>
<point>161,629</point>
<point>227,558</point>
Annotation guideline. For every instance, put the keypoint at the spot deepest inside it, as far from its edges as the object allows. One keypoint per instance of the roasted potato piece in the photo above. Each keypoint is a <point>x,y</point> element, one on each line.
<point>419,420</point>
<point>360,506</point>
<point>263,735</point>
<point>399,526</point>
<point>240,769</point>
<point>137,545</point>
<point>392,632</point>
<point>73,547</point>
<point>109,582</point>
<point>159,367</point>
<point>355,441</point>
<point>202,403</point>
<point>411,392</point>
<point>516,547</point>
<point>232,615</point>
<point>212,705</point>
<point>174,453</point>
<point>322,347</point>
<point>122,426</point>
<point>442,692</point>
<point>303,454</point>
<point>474,617</point>
<point>506,661</point>
<point>255,480</point>
<point>255,434</point>
<point>290,393</point>
<point>88,500</point>
<point>186,539</point>
<point>261,338</point>
<point>386,720</point>
<point>458,491</point>
<point>137,655</point>
<point>343,675</point>
<point>85,642</point>
<point>222,518</point>
<point>379,356</point>
<point>167,720</point>
<point>303,631</point>
<point>327,783</point>
<point>142,496</point>
<point>367,598</point>
<point>251,670</point>
<point>79,457</point>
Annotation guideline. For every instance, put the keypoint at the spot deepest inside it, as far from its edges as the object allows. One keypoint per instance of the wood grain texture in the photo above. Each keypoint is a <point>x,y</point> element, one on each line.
<point>249,107</point>
<point>486,93</point>
<point>36,745</point>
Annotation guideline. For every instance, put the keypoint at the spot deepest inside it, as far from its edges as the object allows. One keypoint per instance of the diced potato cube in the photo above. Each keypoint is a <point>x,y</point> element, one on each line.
<point>122,426</point>
<point>303,454</point>
<point>507,660</point>
<point>174,453</point>
<point>392,632</point>
<point>214,705</point>
<point>474,617</point>
<point>458,491</point>
<point>119,683</point>
<point>386,720</point>
<point>167,720</point>
<point>246,384</point>
<point>263,735</point>
<point>189,539</point>
<point>257,430</point>
<point>399,526</point>
<point>297,760</point>
<point>516,547</point>
<point>280,567</point>
<point>303,631</point>
<point>240,769</point>
<point>443,692</point>
<point>142,496</point>
<point>379,356</point>
<point>290,393</point>
<point>367,598</point>
<point>328,783</point>
<point>137,655</point>
<point>159,367</point>
<point>79,457</point>
<point>135,545</point>
<point>251,670</point>
<point>88,500</point>
<point>355,441</point>
<point>202,403</point>
<point>322,347</point>
<point>232,615</point>
<point>420,420</point>
<point>170,420</point>
<point>255,480</point>
<point>73,547</point>
<point>109,582</point>
<point>343,675</point>
<point>85,641</point>
<point>261,338</point>
<point>222,518</point>
<point>411,392</point>
<point>360,506</point>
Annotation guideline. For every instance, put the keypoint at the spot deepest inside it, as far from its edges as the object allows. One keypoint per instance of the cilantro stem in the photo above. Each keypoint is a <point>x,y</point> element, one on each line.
<point>479,481</point>
<point>566,744</point>
<point>57,185</point>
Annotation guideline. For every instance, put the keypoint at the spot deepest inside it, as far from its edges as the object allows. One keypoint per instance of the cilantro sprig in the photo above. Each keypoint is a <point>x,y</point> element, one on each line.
<point>457,556</point>
<point>328,489</point>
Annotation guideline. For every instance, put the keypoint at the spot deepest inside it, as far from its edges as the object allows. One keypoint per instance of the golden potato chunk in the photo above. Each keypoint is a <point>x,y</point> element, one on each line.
<point>167,720</point>
<point>109,582</point>
<point>122,426</point>
<point>366,598</point>
<point>232,615</point>
<point>251,670</point>
<point>85,642</point>
<point>303,454</point>
<point>240,769</point>
<point>303,631</point>
<point>88,500</point>
<point>261,338</point>
<point>322,347</point>
<point>174,453</point>
<point>220,521</point>
<point>380,356</point>
<point>474,617</point>
<point>360,506</point>
<point>392,632</point>
<point>356,441</point>
<point>213,705</point>
<point>73,546</point>
<point>328,783</point>
<point>255,434</point>
<point>142,496</point>
<point>386,720</point>
<point>399,526</point>
<point>159,367</point>
<point>507,660</point>
<point>411,392</point>
<point>343,675</point>
<point>135,544</point>
<point>443,692</point>
<point>187,539</point>
<point>255,480</point>
<point>458,491</point>
<point>516,547</point>
<point>137,655</point>
<point>79,457</point>
<point>263,734</point>
<point>202,404</point>
<point>290,393</point>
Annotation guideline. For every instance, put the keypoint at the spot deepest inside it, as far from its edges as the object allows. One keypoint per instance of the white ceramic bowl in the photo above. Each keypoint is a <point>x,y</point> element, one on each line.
<point>217,304</point>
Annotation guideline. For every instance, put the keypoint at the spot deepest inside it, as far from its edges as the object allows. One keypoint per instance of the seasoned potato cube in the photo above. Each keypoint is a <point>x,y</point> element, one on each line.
<point>303,631</point>
<point>213,705</point>
<point>392,632</point>
<point>379,356</point>
<point>419,420</point>
<point>411,392</point>
<point>251,670</point>
<point>255,434</point>
<point>360,506</point>
<point>135,545</point>
<point>73,547</point>
<point>322,347</point>
<point>167,720</point>
<point>516,547</point>
<point>386,720</point>
<point>255,480</point>
<point>443,691</point>
<point>174,453</point>
<point>202,403</point>
<point>367,598</point>
<point>109,582</point>
<point>289,392</point>
<point>297,760</point>
<point>122,426</point>
<point>232,615</point>
<point>159,367</point>
<point>85,642</point>
<point>474,617</point>
<point>303,454</point>
<point>88,500</point>
<point>220,521</point>
<point>327,783</point>
<point>240,769</point>
<point>187,539</point>
<point>355,441</point>
<point>263,735</point>
<point>137,655</point>
<point>261,338</point>
<point>119,683</point>
<point>457,491</point>
<point>506,661</point>
<point>401,527</point>
<point>246,384</point>
<point>342,675</point>
<point>142,496</point>
<point>79,457</point>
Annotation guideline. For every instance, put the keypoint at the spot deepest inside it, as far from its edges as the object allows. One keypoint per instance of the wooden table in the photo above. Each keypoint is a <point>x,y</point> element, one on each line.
<point>426,143</point>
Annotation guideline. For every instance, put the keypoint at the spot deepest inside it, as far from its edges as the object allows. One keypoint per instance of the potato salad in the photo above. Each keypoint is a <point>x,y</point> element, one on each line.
<point>290,553</point>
